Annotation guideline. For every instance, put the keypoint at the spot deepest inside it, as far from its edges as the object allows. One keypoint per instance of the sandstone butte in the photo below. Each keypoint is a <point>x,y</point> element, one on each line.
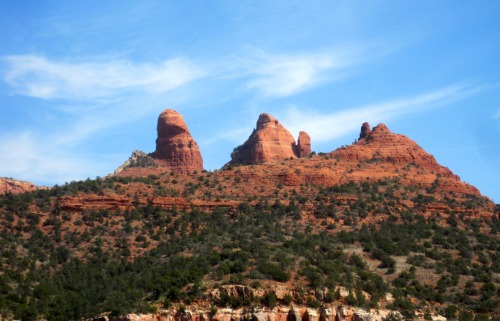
<point>270,142</point>
<point>175,147</point>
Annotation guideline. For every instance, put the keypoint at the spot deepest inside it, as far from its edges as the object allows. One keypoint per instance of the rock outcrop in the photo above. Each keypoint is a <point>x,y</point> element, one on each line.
<point>9,185</point>
<point>280,313</point>
<point>270,142</point>
<point>365,130</point>
<point>304,144</point>
<point>175,147</point>
<point>137,159</point>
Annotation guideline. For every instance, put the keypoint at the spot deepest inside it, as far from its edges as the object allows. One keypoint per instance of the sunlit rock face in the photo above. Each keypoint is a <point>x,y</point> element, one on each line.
<point>175,147</point>
<point>270,142</point>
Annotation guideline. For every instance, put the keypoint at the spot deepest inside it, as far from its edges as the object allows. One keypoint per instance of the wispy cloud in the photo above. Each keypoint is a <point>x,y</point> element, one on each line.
<point>39,77</point>
<point>325,127</point>
<point>276,75</point>
<point>282,75</point>
<point>285,76</point>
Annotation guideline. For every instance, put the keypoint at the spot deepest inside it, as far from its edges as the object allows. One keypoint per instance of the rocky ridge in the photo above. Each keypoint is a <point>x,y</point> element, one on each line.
<point>378,154</point>
<point>9,185</point>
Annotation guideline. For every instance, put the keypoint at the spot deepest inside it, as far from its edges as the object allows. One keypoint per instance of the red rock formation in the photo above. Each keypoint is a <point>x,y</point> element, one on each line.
<point>365,130</point>
<point>270,142</point>
<point>9,185</point>
<point>175,147</point>
<point>304,144</point>
<point>379,155</point>
<point>381,146</point>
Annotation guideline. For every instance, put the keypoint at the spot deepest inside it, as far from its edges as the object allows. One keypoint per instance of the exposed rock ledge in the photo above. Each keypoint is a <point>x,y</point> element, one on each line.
<point>294,313</point>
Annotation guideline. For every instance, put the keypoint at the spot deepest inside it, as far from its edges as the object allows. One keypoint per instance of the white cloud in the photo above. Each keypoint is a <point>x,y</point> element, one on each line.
<point>39,77</point>
<point>326,127</point>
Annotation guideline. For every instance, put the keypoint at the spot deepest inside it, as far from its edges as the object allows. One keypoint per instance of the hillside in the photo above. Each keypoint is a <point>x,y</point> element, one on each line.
<point>378,224</point>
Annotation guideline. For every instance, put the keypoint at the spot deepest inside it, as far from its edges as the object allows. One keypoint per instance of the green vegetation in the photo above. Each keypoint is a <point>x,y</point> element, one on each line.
<point>148,256</point>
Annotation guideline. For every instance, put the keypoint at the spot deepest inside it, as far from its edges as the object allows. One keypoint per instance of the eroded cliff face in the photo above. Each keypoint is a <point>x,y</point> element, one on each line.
<point>175,147</point>
<point>332,312</point>
<point>270,142</point>
<point>9,185</point>
<point>338,310</point>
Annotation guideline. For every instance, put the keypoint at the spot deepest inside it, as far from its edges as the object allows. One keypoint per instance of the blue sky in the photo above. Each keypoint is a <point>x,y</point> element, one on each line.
<point>82,83</point>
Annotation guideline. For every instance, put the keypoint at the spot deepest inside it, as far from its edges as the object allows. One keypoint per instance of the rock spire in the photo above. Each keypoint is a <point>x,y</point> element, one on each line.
<point>365,130</point>
<point>175,147</point>
<point>304,144</point>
